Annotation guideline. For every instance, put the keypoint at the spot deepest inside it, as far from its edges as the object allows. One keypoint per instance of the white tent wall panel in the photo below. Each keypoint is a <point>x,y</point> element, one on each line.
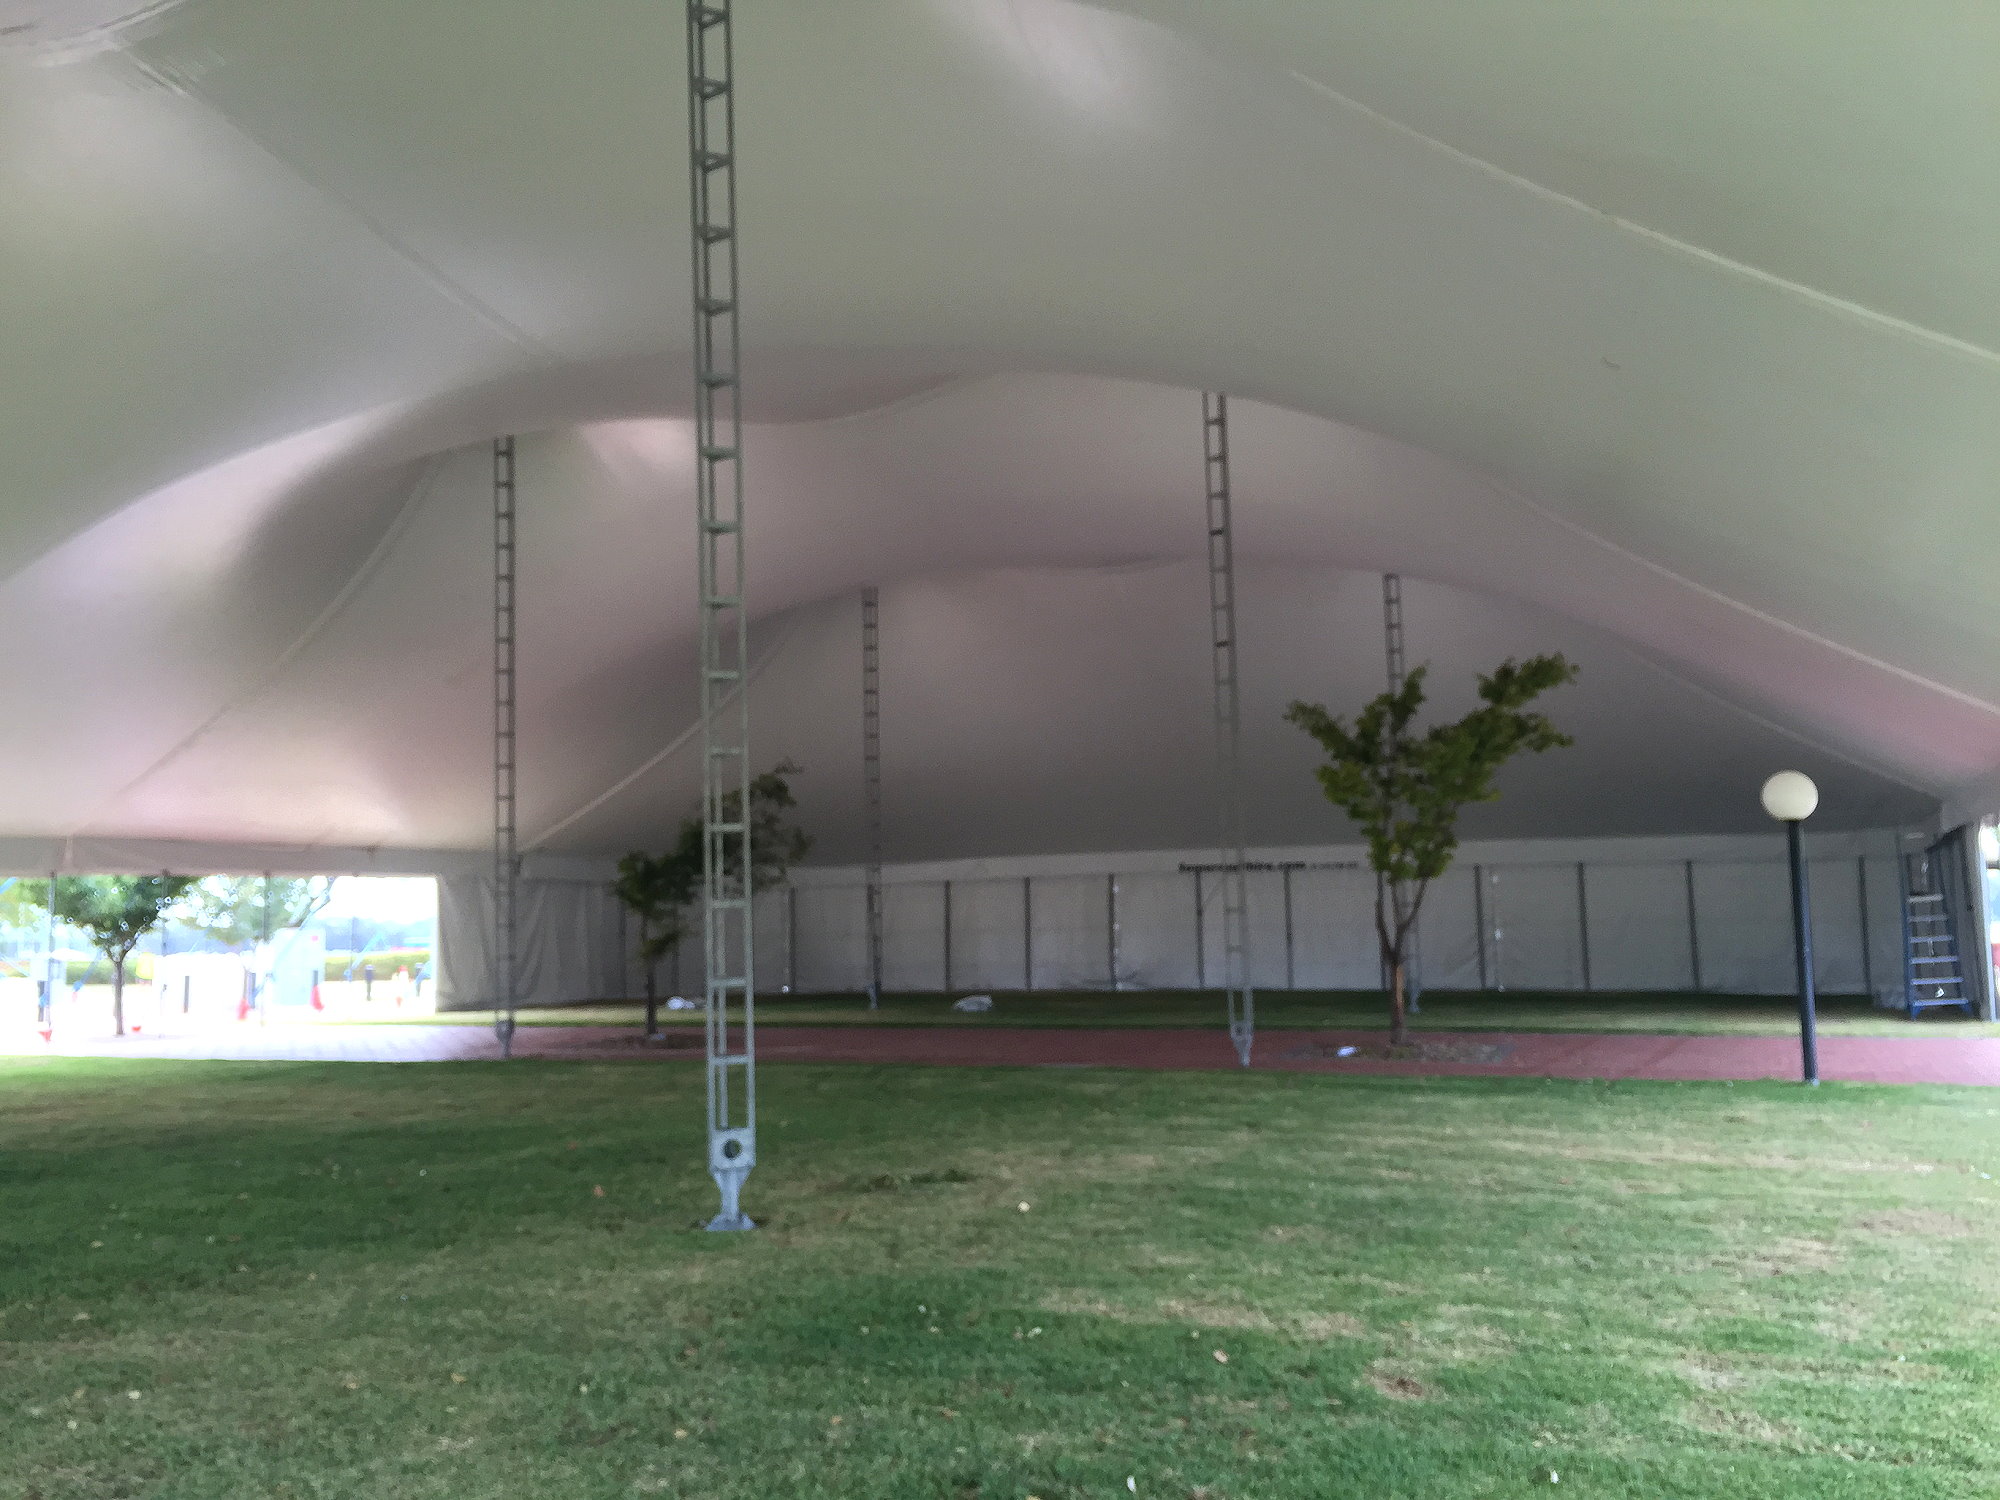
<point>1333,933</point>
<point>1639,928</point>
<point>770,915</point>
<point>1836,924</point>
<point>1448,936</point>
<point>1744,916</point>
<point>1072,932</point>
<point>1156,931</point>
<point>1267,930</point>
<point>989,949</point>
<point>571,947</point>
<point>913,937</point>
<point>1537,931</point>
<point>832,939</point>
<point>1885,929</point>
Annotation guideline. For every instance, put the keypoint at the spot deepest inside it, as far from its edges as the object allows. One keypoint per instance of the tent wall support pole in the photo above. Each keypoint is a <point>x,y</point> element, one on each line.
<point>1479,918</point>
<point>1583,921</point>
<point>506,854</point>
<point>947,937</point>
<point>1291,950</point>
<point>1111,926</point>
<point>1200,935</point>
<point>871,779</point>
<point>1867,948</point>
<point>1694,931</point>
<point>728,948</point>
<point>1027,932</point>
<point>1240,998</point>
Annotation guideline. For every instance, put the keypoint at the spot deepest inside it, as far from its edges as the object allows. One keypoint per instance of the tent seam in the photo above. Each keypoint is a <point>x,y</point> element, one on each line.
<point>420,491</point>
<point>1823,301</point>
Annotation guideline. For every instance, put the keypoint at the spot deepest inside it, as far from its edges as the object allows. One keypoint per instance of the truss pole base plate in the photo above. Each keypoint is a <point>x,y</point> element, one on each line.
<point>1244,1042</point>
<point>504,1030</point>
<point>732,1218</point>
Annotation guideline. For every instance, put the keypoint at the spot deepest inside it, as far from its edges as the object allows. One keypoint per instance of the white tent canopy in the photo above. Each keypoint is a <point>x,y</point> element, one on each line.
<point>1687,370</point>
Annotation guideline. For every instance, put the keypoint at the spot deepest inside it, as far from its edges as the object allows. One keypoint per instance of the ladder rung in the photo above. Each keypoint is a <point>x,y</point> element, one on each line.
<point>710,15</point>
<point>731,1060</point>
<point>725,827</point>
<point>710,88</point>
<point>712,161</point>
<point>723,674</point>
<point>723,601</point>
<point>713,234</point>
<point>718,454</point>
<point>718,379</point>
<point>716,306</point>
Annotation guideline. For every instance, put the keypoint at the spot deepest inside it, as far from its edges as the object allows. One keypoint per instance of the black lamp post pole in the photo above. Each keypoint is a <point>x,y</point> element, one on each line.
<point>1802,947</point>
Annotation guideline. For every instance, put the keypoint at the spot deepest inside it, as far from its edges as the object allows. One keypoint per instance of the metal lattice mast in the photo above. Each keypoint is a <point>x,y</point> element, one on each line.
<point>871,775</point>
<point>1234,883</point>
<point>506,855</point>
<point>1392,629</point>
<point>725,644</point>
<point>1392,650</point>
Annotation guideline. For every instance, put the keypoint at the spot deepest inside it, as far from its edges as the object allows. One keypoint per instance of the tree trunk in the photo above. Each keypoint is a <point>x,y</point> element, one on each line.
<point>1399,1028</point>
<point>652,980</point>
<point>118,995</point>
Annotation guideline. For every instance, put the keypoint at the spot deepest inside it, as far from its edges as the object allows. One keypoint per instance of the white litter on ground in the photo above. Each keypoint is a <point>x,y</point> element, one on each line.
<point>974,1003</point>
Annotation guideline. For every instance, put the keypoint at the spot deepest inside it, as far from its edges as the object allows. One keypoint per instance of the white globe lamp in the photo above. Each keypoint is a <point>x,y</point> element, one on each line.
<point>1790,796</point>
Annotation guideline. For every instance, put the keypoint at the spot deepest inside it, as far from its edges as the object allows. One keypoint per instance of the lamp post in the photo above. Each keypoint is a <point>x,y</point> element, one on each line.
<point>1790,797</point>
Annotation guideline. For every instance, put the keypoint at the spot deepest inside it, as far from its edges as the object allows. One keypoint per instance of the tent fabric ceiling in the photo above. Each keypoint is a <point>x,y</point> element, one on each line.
<point>1690,365</point>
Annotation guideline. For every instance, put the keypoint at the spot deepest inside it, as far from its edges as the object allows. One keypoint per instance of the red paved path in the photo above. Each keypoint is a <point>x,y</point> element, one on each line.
<point>1940,1059</point>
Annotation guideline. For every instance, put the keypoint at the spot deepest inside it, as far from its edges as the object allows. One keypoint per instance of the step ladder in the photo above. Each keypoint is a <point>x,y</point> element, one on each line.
<point>1934,980</point>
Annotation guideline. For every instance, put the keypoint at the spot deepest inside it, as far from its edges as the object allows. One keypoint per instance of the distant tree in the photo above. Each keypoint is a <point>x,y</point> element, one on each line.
<point>1405,790</point>
<point>240,909</point>
<point>661,890</point>
<point>24,902</point>
<point>117,911</point>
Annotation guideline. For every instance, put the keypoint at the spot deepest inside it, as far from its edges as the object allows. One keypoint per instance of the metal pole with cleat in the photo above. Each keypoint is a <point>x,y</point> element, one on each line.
<point>727,948</point>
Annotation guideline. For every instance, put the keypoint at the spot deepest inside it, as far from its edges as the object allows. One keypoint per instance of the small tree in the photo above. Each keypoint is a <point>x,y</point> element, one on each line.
<point>241,909</point>
<point>1405,791</point>
<point>661,889</point>
<point>117,911</point>
<point>658,889</point>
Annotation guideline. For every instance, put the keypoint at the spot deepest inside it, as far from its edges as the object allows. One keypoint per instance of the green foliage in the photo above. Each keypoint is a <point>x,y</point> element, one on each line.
<point>118,910</point>
<point>661,889</point>
<point>658,889</point>
<point>1404,790</point>
<point>242,909</point>
<point>24,901</point>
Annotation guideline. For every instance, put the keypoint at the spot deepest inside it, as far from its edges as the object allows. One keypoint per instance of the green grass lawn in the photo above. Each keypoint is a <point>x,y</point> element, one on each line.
<point>1442,1010</point>
<point>471,1280</point>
